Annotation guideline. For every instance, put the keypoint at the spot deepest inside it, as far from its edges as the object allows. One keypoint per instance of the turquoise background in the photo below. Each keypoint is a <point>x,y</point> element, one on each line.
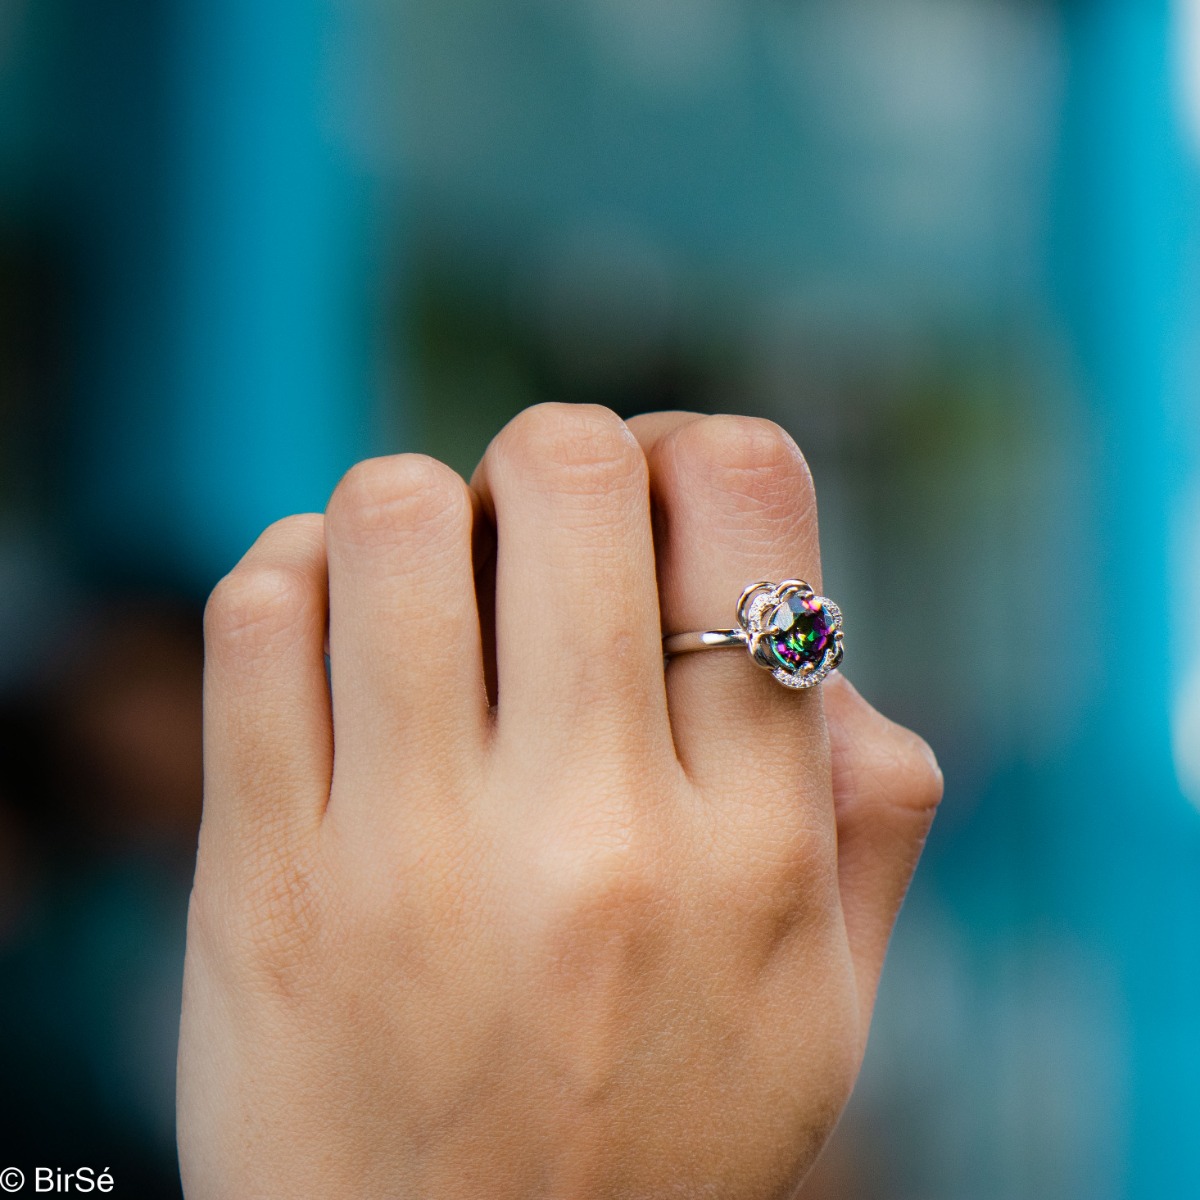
<point>950,244</point>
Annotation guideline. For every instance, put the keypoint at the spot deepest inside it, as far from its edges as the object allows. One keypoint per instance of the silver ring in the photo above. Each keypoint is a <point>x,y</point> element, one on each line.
<point>787,628</point>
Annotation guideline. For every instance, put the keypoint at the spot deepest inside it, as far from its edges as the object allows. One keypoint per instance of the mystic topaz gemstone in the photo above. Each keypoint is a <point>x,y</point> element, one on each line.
<point>802,631</point>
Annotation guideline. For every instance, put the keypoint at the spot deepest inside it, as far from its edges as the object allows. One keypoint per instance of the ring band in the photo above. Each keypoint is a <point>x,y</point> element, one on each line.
<point>787,629</point>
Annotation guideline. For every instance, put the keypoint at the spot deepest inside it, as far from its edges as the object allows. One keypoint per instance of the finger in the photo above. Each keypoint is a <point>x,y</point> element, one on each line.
<point>268,744</point>
<point>734,503</point>
<point>651,428</point>
<point>578,651</point>
<point>404,643</point>
<point>887,786</point>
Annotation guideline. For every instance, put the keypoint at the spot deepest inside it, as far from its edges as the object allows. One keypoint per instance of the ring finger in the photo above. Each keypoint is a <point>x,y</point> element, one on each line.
<point>734,504</point>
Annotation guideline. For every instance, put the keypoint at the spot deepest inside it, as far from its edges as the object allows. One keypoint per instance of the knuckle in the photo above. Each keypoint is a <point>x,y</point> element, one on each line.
<point>614,924</point>
<point>795,871</point>
<point>893,772</point>
<point>775,869</point>
<point>576,447</point>
<point>804,854</point>
<point>381,497</point>
<point>747,455</point>
<point>255,603</point>
<point>604,926</point>
<point>919,781</point>
<point>604,873</point>
<point>271,925</point>
<point>304,531</point>
<point>614,885</point>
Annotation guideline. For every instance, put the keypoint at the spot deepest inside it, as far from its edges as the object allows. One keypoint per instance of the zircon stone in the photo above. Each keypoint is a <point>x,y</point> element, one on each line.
<point>801,631</point>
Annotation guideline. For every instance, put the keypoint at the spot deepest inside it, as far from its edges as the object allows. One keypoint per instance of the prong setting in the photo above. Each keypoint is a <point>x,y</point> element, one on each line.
<point>792,632</point>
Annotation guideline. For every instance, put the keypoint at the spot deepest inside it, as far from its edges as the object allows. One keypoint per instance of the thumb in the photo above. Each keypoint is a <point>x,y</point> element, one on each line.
<point>887,786</point>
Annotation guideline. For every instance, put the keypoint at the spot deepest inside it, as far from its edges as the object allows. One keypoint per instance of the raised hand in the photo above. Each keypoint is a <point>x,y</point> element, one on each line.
<point>616,936</point>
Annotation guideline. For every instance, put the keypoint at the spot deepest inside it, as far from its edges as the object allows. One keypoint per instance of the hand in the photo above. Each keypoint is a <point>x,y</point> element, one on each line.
<point>618,936</point>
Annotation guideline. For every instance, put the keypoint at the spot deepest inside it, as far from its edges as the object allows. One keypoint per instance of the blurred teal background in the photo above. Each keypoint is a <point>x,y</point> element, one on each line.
<point>950,244</point>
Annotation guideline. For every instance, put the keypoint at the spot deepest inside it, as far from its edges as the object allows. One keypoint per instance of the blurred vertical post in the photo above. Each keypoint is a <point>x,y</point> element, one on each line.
<point>1130,843</point>
<point>251,369</point>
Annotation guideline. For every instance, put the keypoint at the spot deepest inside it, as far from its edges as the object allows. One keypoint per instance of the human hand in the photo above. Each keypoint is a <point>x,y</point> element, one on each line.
<point>617,937</point>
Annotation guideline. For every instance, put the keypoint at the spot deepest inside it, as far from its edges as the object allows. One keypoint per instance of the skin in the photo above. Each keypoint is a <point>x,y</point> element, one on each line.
<point>616,935</point>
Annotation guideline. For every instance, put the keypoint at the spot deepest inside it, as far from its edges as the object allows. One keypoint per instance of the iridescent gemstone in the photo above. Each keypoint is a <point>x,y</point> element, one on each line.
<point>800,632</point>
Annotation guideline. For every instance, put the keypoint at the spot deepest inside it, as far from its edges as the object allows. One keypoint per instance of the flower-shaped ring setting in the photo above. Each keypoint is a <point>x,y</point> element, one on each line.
<point>787,628</point>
